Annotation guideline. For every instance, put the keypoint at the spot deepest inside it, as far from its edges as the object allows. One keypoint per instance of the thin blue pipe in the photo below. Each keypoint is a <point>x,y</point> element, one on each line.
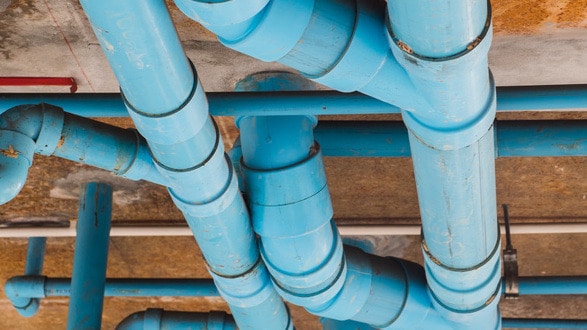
<point>169,108</point>
<point>552,285</point>
<point>306,103</point>
<point>543,324</point>
<point>35,256</point>
<point>158,319</point>
<point>90,257</point>
<point>42,287</point>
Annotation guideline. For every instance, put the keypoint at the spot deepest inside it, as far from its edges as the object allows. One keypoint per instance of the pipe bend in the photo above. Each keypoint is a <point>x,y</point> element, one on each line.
<point>26,305</point>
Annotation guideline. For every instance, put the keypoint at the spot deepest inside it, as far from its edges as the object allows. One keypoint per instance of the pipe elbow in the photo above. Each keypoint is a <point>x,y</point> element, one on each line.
<point>16,155</point>
<point>26,306</point>
<point>134,321</point>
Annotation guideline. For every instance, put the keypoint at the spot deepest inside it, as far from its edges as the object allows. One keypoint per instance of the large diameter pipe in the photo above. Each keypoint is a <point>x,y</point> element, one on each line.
<point>90,258</point>
<point>159,319</point>
<point>169,108</point>
<point>340,44</point>
<point>452,146</point>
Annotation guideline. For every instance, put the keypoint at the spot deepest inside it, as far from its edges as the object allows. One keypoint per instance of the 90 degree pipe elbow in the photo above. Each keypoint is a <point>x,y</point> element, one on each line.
<point>48,130</point>
<point>22,291</point>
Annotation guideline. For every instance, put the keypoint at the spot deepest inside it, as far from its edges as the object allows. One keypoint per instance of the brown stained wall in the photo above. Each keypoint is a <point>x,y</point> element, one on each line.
<point>534,16</point>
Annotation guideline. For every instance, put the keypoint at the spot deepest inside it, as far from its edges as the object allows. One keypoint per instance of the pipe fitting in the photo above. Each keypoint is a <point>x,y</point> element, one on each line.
<point>16,156</point>
<point>156,319</point>
<point>22,291</point>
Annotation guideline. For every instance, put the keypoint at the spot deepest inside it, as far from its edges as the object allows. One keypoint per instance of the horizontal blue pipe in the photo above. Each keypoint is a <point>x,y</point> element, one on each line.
<point>42,287</point>
<point>518,98</point>
<point>90,258</point>
<point>158,319</point>
<point>543,324</point>
<point>552,285</point>
<point>539,138</point>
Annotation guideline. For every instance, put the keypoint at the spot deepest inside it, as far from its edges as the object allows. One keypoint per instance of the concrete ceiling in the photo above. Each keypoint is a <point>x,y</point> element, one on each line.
<point>537,42</point>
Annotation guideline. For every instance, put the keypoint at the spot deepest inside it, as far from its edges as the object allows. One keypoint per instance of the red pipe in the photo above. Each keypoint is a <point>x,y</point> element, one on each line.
<point>40,81</point>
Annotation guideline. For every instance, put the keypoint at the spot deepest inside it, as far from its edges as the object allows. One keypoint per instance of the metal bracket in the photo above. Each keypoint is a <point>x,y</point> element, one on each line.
<point>510,261</point>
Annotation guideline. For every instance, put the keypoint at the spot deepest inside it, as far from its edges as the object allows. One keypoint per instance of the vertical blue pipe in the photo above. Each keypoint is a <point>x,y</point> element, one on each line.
<point>168,106</point>
<point>443,46</point>
<point>91,256</point>
<point>35,255</point>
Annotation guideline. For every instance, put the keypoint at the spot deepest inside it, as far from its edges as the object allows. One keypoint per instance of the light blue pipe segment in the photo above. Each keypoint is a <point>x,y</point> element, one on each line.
<point>27,305</point>
<point>541,138</point>
<point>341,44</point>
<point>34,286</point>
<point>90,258</point>
<point>514,98</point>
<point>443,28</point>
<point>553,285</point>
<point>154,56</point>
<point>158,319</point>
<point>53,132</point>
<point>543,324</point>
<point>330,324</point>
<point>186,147</point>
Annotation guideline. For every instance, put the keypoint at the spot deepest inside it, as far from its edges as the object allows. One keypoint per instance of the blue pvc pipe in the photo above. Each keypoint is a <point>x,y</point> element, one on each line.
<point>47,130</point>
<point>35,255</point>
<point>169,108</point>
<point>341,44</point>
<point>158,319</point>
<point>42,287</point>
<point>443,47</point>
<point>90,257</point>
<point>543,324</point>
<point>552,285</point>
<point>306,103</point>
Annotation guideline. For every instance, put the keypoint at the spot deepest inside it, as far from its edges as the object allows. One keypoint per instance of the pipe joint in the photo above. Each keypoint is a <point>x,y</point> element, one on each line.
<point>16,156</point>
<point>464,290</point>
<point>174,126</point>
<point>315,288</point>
<point>216,204</point>
<point>24,293</point>
<point>297,191</point>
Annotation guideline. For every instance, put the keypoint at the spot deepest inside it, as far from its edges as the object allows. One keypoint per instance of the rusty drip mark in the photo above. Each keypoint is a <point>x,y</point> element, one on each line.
<point>10,152</point>
<point>61,142</point>
<point>403,46</point>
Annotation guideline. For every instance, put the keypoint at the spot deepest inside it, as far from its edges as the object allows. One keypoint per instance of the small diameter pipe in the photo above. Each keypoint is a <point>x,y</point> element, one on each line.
<point>553,285</point>
<point>42,287</point>
<point>345,230</point>
<point>90,257</point>
<point>543,324</point>
<point>303,103</point>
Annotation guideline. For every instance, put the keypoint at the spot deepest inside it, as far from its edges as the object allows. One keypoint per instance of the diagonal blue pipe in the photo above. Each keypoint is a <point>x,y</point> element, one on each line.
<point>443,45</point>
<point>169,108</point>
<point>340,44</point>
<point>47,130</point>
